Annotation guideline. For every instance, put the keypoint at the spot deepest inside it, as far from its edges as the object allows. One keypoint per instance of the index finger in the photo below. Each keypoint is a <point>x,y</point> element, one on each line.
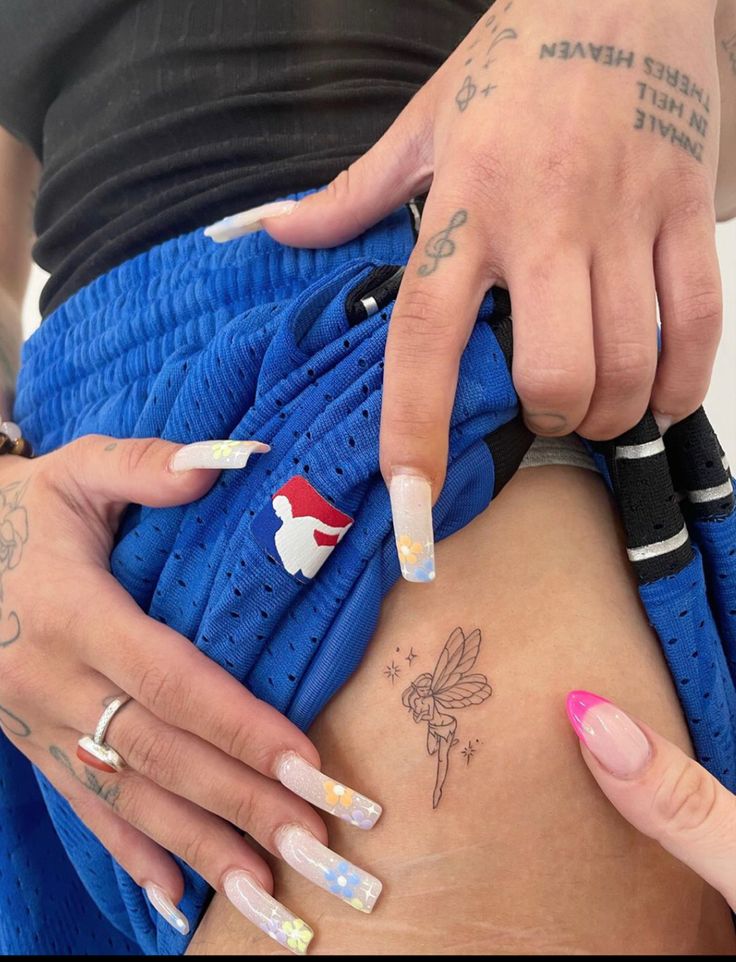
<point>435,311</point>
<point>659,789</point>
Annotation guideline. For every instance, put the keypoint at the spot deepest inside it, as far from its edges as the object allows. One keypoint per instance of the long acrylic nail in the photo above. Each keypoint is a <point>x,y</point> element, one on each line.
<point>411,507</point>
<point>216,454</point>
<point>166,908</point>
<point>617,742</point>
<point>309,783</point>
<point>300,849</point>
<point>247,221</point>
<point>249,897</point>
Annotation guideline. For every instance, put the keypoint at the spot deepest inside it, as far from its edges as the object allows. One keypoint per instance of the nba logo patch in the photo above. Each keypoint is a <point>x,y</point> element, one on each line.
<point>300,528</point>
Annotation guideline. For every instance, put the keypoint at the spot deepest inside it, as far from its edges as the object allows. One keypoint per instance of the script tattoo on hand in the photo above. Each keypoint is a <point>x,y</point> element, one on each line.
<point>475,82</point>
<point>13,535</point>
<point>10,722</point>
<point>108,793</point>
<point>668,101</point>
<point>450,686</point>
<point>441,245</point>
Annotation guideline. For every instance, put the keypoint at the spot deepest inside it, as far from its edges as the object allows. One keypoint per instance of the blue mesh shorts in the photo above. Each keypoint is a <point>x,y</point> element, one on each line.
<point>193,340</point>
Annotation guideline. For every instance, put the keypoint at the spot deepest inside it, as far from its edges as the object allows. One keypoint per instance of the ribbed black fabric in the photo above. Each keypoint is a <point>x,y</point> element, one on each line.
<point>154,117</point>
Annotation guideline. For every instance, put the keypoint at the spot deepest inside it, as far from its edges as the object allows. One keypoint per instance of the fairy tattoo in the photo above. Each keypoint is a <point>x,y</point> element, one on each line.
<point>450,686</point>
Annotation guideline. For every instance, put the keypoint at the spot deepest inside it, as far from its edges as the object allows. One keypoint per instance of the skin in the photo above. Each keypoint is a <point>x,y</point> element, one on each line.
<point>540,157</point>
<point>522,854</point>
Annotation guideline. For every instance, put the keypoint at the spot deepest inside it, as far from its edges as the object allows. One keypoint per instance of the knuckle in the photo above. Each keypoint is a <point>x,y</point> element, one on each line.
<point>163,691</point>
<point>194,849</point>
<point>243,811</point>
<point>150,751</point>
<point>551,388</point>
<point>136,454</point>
<point>234,738</point>
<point>338,190</point>
<point>684,802</point>
<point>625,369</point>
<point>697,314</point>
<point>695,202</point>
<point>423,321</point>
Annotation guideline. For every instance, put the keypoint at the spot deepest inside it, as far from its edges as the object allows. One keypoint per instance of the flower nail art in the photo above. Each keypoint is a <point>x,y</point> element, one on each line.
<point>309,783</point>
<point>274,919</point>
<point>336,794</point>
<point>298,935</point>
<point>411,507</point>
<point>225,454</point>
<point>342,880</point>
<point>300,849</point>
<point>409,551</point>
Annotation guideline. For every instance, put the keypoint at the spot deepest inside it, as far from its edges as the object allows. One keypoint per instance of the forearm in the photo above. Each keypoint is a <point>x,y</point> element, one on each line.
<point>10,340</point>
<point>725,32</point>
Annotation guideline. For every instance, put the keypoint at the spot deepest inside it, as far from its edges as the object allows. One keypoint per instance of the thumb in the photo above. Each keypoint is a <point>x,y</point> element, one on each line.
<point>396,168</point>
<point>149,471</point>
<point>659,789</point>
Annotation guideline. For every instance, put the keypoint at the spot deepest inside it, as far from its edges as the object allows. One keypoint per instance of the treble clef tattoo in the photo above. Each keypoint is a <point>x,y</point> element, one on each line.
<point>441,245</point>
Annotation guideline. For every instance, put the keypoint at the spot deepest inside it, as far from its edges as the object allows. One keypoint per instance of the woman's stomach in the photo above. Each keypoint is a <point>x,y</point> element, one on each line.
<point>494,837</point>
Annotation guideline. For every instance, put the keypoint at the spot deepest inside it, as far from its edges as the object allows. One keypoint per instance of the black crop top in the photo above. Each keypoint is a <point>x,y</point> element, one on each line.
<point>154,117</point>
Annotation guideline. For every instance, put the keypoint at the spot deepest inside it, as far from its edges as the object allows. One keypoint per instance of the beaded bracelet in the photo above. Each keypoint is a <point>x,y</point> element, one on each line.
<point>11,441</point>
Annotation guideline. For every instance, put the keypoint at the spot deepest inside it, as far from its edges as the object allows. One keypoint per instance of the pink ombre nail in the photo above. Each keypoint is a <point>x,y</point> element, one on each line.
<point>618,744</point>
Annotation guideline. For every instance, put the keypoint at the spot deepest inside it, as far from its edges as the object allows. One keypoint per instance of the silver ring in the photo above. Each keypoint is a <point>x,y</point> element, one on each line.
<point>107,716</point>
<point>104,755</point>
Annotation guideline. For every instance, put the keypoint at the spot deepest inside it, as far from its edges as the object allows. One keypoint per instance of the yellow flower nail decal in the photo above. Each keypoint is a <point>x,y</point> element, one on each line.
<point>221,449</point>
<point>298,935</point>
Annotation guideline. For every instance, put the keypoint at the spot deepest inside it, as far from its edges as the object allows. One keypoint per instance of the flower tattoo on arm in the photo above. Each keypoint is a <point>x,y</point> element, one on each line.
<point>13,536</point>
<point>450,686</point>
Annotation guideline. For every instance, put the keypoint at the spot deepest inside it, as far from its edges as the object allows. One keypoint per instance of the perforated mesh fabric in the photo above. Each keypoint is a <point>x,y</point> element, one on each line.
<point>249,340</point>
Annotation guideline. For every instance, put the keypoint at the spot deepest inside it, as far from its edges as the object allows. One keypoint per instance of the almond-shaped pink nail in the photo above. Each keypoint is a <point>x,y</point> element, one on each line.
<point>609,734</point>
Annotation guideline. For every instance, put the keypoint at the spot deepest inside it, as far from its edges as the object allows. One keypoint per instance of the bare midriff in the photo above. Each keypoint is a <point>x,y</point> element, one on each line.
<point>520,853</point>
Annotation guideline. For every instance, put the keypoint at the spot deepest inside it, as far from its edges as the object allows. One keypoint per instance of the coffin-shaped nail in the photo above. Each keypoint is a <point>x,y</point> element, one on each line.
<point>331,796</point>
<point>411,508</point>
<point>247,221</point>
<point>300,849</point>
<point>166,908</point>
<point>226,454</point>
<point>249,897</point>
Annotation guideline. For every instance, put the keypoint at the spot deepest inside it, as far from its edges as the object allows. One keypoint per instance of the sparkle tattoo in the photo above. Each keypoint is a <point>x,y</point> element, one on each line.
<point>450,686</point>
<point>392,671</point>
<point>441,245</point>
<point>13,536</point>
<point>469,751</point>
<point>482,49</point>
